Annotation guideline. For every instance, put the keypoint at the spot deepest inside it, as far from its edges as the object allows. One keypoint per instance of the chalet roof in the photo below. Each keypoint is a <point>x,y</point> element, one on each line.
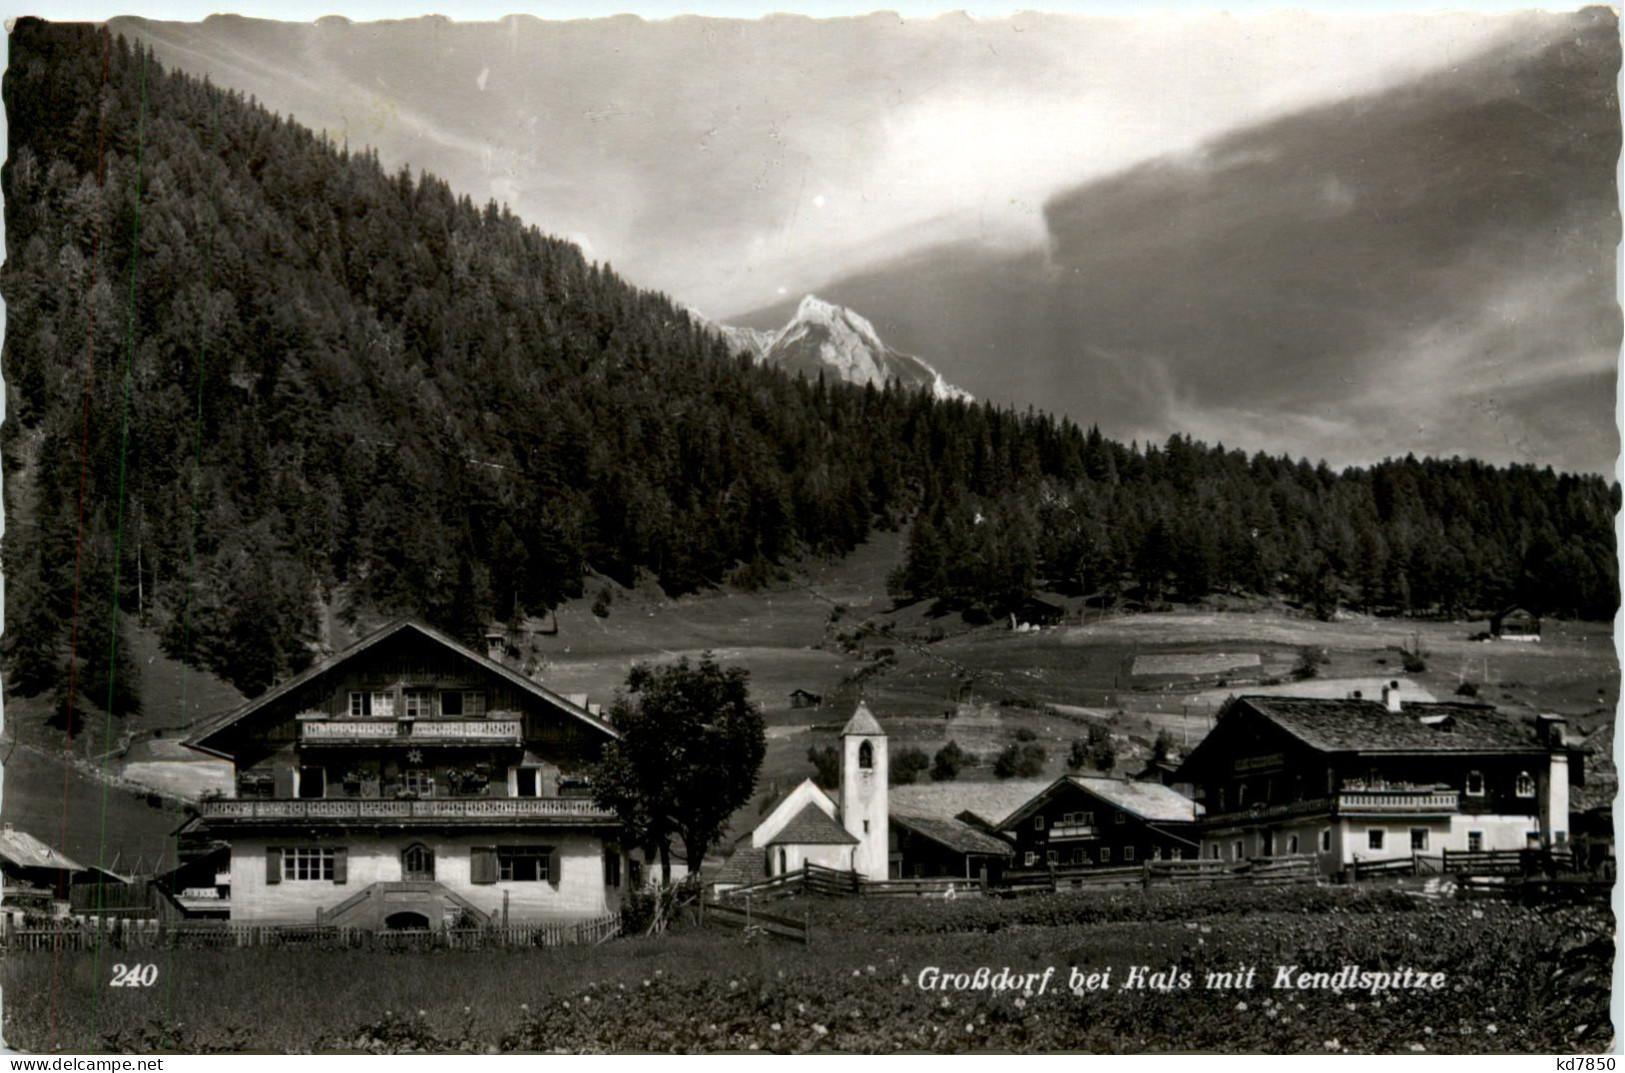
<point>1367,726</point>
<point>23,850</point>
<point>199,738</point>
<point>811,827</point>
<point>956,835</point>
<point>744,866</point>
<point>990,801</point>
<point>1150,801</point>
<point>863,721</point>
<point>1147,800</point>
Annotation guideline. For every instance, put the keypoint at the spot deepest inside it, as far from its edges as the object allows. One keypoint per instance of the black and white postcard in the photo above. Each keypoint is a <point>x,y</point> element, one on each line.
<point>877,534</point>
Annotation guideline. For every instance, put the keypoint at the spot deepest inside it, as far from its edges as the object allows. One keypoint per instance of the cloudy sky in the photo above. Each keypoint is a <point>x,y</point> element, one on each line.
<point>1153,223</point>
<point>728,161</point>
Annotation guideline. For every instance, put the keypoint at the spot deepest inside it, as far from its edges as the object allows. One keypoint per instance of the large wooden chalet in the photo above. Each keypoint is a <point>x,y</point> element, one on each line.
<point>1353,780</point>
<point>410,780</point>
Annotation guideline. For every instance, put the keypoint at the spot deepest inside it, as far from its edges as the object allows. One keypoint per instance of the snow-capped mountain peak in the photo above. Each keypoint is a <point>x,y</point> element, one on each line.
<point>826,338</point>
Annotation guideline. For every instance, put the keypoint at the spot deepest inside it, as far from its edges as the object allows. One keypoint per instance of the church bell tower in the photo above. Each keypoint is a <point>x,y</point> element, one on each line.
<point>864,773</point>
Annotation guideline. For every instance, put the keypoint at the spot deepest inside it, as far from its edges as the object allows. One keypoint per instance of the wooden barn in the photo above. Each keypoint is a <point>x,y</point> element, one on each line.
<point>1515,624</point>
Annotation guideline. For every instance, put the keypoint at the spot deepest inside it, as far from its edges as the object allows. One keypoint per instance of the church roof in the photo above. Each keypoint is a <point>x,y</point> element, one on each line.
<point>862,722</point>
<point>811,827</point>
<point>747,865</point>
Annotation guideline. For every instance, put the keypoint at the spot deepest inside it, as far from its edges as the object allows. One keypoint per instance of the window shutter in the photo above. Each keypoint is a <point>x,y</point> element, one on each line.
<point>553,862</point>
<point>282,781</point>
<point>483,865</point>
<point>341,865</point>
<point>273,865</point>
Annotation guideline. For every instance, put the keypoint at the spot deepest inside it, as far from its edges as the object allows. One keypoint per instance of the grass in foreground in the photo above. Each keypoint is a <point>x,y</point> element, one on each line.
<point>1517,981</point>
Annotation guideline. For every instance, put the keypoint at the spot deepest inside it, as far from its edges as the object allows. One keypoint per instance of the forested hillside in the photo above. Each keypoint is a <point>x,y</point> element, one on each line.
<point>250,372</point>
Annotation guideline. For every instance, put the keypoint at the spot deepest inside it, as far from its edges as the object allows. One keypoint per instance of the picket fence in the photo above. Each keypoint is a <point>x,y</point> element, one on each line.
<point>152,934</point>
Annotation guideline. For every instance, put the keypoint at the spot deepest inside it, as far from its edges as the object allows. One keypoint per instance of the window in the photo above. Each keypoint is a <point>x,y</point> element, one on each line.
<point>418,781</point>
<point>1292,844</point>
<point>417,862</point>
<point>1038,822</point>
<point>527,782</point>
<point>866,756</point>
<point>1121,817</point>
<point>528,864</point>
<point>1080,856</point>
<point>1325,840</point>
<point>1128,854</point>
<point>1419,839</point>
<point>419,704</point>
<point>784,861</point>
<point>1236,850</point>
<point>1087,818</point>
<point>612,866</point>
<point>1156,853</point>
<point>1526,784</point>
<point>865,826</point>
<point>1030,859</point>
<point>1215,851</point>
<point>312,782</point>
<point>308,863</point>
<point>1374,838</point>
<point>1475,784</point>
<point>1051,857</point>
<point>1475,841</point>
<point>1105,855</point>
<point>460,702</point>
<point>379,705</point>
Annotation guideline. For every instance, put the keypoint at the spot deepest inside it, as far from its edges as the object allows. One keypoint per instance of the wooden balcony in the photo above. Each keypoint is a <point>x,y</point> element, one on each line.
<point>1397,802</point>
<point>414,732</point>
<point>369,812</point>
<point>1063,831</point>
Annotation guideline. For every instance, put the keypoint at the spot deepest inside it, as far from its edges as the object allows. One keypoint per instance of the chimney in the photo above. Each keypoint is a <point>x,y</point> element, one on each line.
<point>496,643</point>
<point>1549,730</point>
<point>1390,696</point>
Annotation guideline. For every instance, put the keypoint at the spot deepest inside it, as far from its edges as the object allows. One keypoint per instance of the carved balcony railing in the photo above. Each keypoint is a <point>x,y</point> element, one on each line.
<point>1398,802</point>
<point>410,732</point>
<point>561,810</point>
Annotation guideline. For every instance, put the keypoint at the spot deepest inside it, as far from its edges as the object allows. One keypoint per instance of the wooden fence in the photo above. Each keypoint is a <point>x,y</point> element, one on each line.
<point>152,934</point>
<point>1261,871</point>
<point>133,899</point>
<point>1524,862</point>
<point>753,921</point>
<point>925,887</point>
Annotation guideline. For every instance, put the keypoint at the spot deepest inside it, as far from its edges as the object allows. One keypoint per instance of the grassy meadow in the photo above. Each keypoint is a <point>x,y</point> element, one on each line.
<point>1517,980</point>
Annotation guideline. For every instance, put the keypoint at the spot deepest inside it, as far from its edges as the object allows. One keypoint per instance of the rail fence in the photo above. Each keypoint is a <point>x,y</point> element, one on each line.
<point>815,879</point>
<point>753,921</point>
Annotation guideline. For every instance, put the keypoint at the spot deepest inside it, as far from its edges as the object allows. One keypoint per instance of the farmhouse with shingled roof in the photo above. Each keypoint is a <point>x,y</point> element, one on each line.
<point>1362,780</point>
<point>1081,820</point>
<point>409,780</point>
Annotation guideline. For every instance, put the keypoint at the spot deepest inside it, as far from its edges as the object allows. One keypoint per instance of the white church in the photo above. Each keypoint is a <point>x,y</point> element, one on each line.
<point>806,826</point>
<point>876,830</point>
